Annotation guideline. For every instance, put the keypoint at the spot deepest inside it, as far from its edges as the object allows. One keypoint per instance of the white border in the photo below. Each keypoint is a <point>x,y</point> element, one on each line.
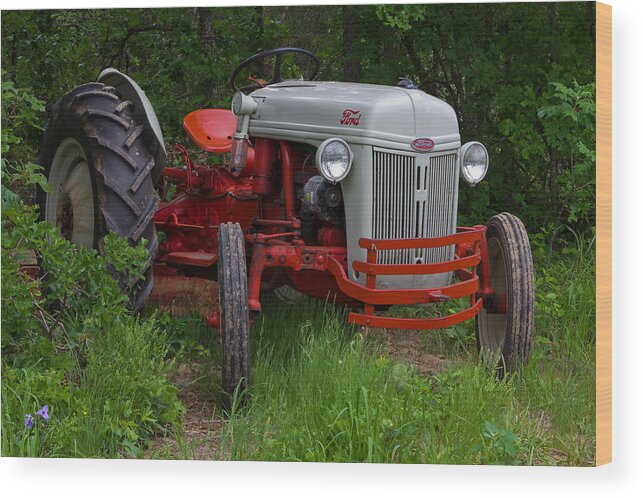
<point>97,478</point>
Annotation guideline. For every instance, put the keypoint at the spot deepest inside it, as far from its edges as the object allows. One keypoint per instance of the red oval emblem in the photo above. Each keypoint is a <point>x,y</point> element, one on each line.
<point>423,144</point>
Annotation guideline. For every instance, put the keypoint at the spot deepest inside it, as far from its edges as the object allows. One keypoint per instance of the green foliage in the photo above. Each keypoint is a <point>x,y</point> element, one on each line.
<point>21,112</point>
<point>498,446</point>
<point>21,115</point>
<point>138,401</point>
<point>519,76</point>
<point>400,16</point>
<point>68,340</point>
<point>569,126</point>
<point>566,297</point>
<point>76,293</point>
<point>109,406</point>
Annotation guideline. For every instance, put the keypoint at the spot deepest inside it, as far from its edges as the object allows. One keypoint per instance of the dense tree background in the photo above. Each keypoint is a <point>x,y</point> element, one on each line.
<point>519,76</point>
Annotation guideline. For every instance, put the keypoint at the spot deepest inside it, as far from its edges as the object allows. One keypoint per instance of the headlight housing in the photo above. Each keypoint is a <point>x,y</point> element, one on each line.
<point>474,161</point>
<point>334,159</point>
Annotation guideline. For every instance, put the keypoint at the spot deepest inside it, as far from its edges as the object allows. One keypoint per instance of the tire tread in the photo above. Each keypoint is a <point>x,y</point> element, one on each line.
<point>519,335</point>
<point>233,303</point>
<point>103,123</point>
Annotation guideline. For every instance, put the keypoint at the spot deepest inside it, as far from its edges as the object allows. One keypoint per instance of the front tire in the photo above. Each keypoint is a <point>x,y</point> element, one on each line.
<point>99,167</point>
<point>235,317</point>
<point>505,326</point>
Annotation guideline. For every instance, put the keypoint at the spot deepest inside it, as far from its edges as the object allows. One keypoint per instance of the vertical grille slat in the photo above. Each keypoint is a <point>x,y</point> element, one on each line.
<point>410,212</point>
<point>413,200</point>
<point>396,205</point>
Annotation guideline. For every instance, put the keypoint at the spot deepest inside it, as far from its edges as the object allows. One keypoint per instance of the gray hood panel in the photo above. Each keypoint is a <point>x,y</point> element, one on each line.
<point>377,115</point>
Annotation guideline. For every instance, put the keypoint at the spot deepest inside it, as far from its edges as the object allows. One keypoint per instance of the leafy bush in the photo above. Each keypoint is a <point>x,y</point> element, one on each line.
<point>117,402</point>
<point>494,64</point>
<point>68,340</point>
<point>498,446</point>
<point>562,143</point>
<point>569,125</point>
<point>21,112</point>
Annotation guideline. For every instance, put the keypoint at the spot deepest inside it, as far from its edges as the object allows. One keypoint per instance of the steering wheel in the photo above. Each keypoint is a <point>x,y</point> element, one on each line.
<point>276,75</point>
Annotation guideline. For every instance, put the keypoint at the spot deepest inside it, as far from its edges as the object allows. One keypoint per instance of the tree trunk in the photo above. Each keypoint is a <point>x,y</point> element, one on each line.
<point>260,23</point>
<point>553,15</point>
<point>351,62</point>
<point>208,47</point>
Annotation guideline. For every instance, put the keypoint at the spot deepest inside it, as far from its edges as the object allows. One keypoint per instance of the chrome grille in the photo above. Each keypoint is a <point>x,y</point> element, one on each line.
<point>414,197</point>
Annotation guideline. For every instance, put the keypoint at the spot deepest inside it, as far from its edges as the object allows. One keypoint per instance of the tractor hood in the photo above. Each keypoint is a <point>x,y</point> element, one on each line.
<point>382,116</point>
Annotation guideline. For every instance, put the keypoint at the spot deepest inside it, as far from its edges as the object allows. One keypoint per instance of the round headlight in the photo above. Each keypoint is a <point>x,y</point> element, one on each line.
<point>474,162</point>
<point>334,159</point>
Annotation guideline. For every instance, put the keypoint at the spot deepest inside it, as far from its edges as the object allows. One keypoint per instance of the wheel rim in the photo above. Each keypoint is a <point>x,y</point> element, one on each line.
<point>492,327</point>
<point>70,204</point>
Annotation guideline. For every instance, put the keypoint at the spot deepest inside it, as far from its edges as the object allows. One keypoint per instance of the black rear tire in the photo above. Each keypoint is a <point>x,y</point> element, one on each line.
<point>94,148</point>
<point>505,339</point>
<point>235,317</point>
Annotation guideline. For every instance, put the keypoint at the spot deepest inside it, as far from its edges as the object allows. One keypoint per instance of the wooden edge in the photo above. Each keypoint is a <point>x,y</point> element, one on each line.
<point>603,233</point>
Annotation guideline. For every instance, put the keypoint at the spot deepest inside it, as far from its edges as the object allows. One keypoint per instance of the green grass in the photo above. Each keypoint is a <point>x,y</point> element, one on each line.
<point>109,407</point>
<point>322,390</point>
<point>337,399</point>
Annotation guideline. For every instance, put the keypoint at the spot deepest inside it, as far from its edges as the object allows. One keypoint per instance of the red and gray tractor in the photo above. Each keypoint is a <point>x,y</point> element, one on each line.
<point>345,192</point>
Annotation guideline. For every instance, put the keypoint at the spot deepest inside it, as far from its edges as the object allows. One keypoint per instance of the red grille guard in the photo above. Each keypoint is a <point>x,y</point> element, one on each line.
<point>270,250</point>
<point>470,250</point>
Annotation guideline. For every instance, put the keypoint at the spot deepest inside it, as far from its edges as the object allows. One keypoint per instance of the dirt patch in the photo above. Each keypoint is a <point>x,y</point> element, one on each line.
<point>409,346</point>
<point>179,295</point>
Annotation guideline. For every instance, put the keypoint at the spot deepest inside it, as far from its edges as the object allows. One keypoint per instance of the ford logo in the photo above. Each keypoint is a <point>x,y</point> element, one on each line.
<point>423,144</point>
<point>350,117</point>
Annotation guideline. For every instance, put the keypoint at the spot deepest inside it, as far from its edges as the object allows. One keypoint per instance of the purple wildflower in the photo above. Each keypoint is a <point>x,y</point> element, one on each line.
<point>29,421</point>
<point>44,412</point>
